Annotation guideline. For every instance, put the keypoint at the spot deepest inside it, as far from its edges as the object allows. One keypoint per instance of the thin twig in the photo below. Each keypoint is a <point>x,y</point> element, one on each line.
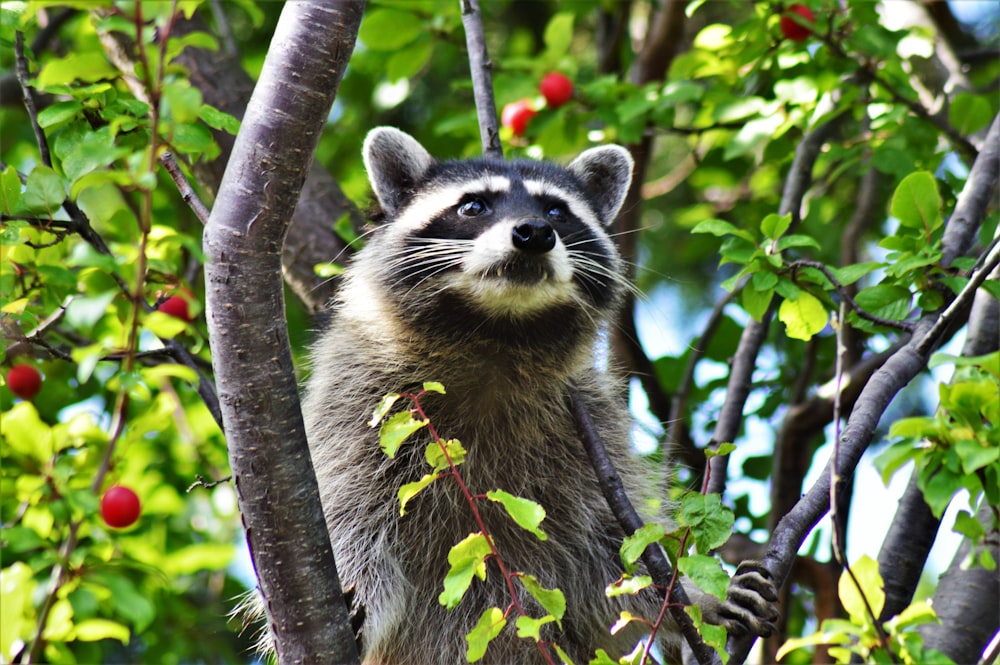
<point>698,349</point>
<point>614,493</point>
<point>29,100</point>
<point>482,80</point>
<point>962,301</point>
<point>184,187</point>
<point>836,544</point>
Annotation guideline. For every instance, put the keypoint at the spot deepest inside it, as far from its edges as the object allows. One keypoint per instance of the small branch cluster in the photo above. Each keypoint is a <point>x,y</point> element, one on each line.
<point>394,431</point>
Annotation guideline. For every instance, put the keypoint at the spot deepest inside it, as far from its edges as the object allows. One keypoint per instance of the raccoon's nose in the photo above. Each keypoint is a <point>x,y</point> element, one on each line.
<point>533,237</point>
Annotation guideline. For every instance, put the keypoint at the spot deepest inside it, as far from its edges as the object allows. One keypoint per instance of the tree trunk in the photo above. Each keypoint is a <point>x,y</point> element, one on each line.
<point>275,481</point>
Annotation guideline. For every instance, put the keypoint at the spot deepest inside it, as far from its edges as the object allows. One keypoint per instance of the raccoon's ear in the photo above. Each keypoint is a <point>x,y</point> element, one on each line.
<point>606,172</point>
<point>396,163</point>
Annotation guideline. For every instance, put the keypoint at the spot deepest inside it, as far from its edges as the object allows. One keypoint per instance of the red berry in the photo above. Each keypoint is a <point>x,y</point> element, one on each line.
<point>177,307</point>
<point>24,381</point>
<point>119,507</point>
<point>516,116</point>
<point>793,30</point>
<point>557,89</point>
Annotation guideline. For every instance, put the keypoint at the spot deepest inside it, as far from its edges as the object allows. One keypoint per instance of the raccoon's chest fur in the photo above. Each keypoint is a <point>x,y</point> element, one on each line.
<point>494,279</point>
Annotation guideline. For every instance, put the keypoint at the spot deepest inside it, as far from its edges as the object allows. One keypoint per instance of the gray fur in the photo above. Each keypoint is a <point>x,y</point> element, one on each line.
<point>506,370</point>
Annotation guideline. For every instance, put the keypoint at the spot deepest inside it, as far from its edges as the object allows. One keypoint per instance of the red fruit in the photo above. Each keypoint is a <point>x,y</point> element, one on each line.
<point>24,381</point>
<point>557,89</point>
<point>119,507</point>
<point>516,116</point>
<point>177,307</point>
<point>793,30</point>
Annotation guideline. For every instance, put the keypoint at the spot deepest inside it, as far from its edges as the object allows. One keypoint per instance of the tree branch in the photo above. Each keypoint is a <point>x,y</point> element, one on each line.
<point>980,189</point>
<point>275,482</point>
<point>655,560</point>
<point>480,68</point>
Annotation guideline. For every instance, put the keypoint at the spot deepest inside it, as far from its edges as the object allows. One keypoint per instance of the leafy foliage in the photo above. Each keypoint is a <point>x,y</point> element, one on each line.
<point>859,635</point>
<point>96,236</point>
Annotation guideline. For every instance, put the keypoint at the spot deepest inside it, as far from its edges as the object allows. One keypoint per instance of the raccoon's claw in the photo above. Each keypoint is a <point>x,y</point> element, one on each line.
<point>750,602</point>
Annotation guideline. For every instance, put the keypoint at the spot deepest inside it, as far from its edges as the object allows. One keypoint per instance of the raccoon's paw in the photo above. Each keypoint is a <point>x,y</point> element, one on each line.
<point>750,602</point>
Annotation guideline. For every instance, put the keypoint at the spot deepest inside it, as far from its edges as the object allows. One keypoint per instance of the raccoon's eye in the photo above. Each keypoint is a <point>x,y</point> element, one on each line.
<point>556,212</point>
<point>474,207</point>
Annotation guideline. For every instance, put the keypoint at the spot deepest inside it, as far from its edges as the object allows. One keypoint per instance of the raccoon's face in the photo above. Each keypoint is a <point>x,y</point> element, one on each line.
<point>508,240</point>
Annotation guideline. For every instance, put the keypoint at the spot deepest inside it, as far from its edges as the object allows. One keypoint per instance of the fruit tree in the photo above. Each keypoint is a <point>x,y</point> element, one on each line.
<point>813,227</point>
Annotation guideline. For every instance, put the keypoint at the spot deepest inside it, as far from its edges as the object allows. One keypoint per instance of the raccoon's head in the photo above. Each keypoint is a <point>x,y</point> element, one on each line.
<point>488,244</point>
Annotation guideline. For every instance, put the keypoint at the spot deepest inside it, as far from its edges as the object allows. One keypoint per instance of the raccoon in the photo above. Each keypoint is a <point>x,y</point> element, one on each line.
<point>496,279</point>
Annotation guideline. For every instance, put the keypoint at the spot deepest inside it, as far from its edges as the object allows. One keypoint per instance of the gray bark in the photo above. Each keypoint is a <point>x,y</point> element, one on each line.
<point>967,603</point>
<point>274,477</point>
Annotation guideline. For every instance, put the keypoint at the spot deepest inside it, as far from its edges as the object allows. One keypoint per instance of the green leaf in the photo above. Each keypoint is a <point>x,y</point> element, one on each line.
<point>629,585</point>
<point>17,586</point>
<point>163,325</point>
<point>723,450</point>
<point>888,301</point>
<point>714,636</point>
<point>916,427</point>
<point>706,572</point>
<point>490,623</point>
<point>633,546</point>
<point>195,39</point>
<point>721,228</point>
<point>531,627</point>
<point>601,657</point>
<point>756,302</point>
<point>435,456</point>
<point>410,490</point>
<point>847,275</point>
<point>774,226</point>
<point>92,630</point>
<point>917,614</point>
<point>92,151</point>
<point>710,521</point>
<point>866,572</point>
<point>44,192</point>
<point>169,370</point>
<point>408,61</point>
<point>976,455</point>
<point>396,430</point>
<point>24,431</point>
<point>217,119</point>
<point>386,29</point>
<point>198,557</point>
<point>525,512</point>
<point>916,202</point>
<point>816,639</point>
<point>182,102</point>
<point>969,113</point>
<point>10,190</point>
<point>558,36</point>
<point>804,317</point>
<point>893,458</point>
<point>383,408</point>
<point>87,66</point>
<point>797,240</point>
<point>84,311</point>
<point>434,387</point>
<point>127,600</point>
<point>59,113</point>
<point>552,600</point>
<point>466,560</point>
